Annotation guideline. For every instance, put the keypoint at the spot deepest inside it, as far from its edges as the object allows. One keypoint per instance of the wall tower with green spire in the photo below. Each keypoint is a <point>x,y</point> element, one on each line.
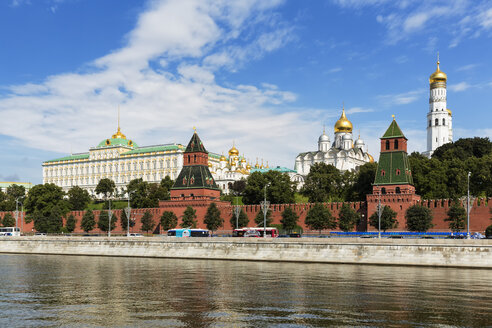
<point>393,184</point>
<point>195,180</point>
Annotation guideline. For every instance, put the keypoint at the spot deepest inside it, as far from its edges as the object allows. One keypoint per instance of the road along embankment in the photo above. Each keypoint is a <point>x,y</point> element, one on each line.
<point>420,252</point>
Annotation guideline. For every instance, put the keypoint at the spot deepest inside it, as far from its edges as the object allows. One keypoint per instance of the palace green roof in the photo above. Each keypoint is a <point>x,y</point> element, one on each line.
<point>152,149</point>
<point>69,158</point>
<point>117,142</point>
<point>280,169</point>
<point>393,131</point>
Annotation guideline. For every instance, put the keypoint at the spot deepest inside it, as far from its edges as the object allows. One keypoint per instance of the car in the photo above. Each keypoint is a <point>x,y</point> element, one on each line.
<point>40,234</point>
<point>135,235</point>
<point>295,235</point>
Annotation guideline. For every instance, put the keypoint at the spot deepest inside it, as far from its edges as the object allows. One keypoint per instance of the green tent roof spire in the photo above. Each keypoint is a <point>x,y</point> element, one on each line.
<point>393,131</point>
<point>195,145</point>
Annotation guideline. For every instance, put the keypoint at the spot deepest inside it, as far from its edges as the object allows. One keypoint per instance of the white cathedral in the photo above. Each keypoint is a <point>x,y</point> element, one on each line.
<point>439,117</point>
<point>343,153</point>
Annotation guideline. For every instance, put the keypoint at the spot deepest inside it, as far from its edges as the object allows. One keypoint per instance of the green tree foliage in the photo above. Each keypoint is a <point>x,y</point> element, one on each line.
<point>456,217</point>
<point>147,195</point>
<point>189,218</point>
<point>124,221</point>
<point>363,180</point>
<point>289,219</point>
<point>388,219</point>
<point>319,218</point>
<point>488,231</point>
<point>213,220</point>
<point>71,222</point>
<point>105,187</point>
<point>51,224</point>
<point>259,218</point>
<point>8,220</point>
<point>147,222</point>
<point>78,198</point>
<point>166,185</point>
<point>347,218</point>
<point>88,222</point>
<point>279,191</point>
<point>237,187</point>
<point>41,202</point>
<point>242,221</point>
<point>103,221</point>
<point>445,174</point>
<point>7,200</point>
<point>419,218</point>
<point>169,220</point>
<point>15,191</point>
<point>323,183</point>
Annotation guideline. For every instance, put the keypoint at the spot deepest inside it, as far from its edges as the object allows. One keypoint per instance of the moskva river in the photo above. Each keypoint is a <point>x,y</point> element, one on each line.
<point>60,291</point>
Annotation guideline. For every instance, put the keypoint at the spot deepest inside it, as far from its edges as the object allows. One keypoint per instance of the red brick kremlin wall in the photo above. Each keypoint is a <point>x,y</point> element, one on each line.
<point>479,215</point>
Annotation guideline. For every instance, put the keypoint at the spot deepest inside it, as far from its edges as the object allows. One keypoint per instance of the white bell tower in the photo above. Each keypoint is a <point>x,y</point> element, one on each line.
<point>439,119</point>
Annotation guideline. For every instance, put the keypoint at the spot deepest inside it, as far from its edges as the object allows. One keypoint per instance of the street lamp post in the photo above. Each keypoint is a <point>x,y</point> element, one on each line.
<point>468,209</point>
<point>109,219</point>
<point>237,211</point>
<point>128,212</point>
<point>380,212</point>
<point>16,211</point>
<point>265,205</point>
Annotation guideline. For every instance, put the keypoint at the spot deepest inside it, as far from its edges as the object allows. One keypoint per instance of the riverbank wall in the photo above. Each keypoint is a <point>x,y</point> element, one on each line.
<point>415,252</point>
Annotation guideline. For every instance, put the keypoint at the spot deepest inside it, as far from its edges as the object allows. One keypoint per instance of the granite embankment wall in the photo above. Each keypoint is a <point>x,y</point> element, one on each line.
<point>480,214</point>
<point>453,253</point>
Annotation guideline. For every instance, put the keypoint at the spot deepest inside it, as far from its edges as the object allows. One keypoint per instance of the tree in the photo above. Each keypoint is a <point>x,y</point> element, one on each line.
<point>320,218</point>
<point>347,218</point>
<point>147,222</point>
<point>237,187</point>
<point>71,222</point>
<point>166,184</point>
<point>8,220</point>
<point>41,202</point>
<point>102,223</point>
<point>106,187</point>
<point>456,217</point>
<point>88,222</point>
<point>242,220</point>
<point>169,220</point>
<point>363,182</point>
<point>388,219</point>
<point>213,220</point>
<point>289,219</point>
<point>52,224</point>
<point>15,191</point>
<point>323,183</point>
<point>280,189</point>
<point>260,218</point>
<point>189,218</point>
<point>124,221</point>
<point>419,218</point>
<point>78,198</point>
<point>147,195</point>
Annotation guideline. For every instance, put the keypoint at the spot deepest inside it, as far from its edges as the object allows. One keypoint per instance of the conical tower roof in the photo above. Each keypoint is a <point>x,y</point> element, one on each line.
<point>195,145</point>
<point>393,131</point>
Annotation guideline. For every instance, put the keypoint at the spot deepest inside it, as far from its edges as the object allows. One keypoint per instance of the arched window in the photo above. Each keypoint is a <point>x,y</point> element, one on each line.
<point>383,173</point>
<point>194,158</point>
<point>437,121</point>
<point>397,190</point>
<point>383,191</point>
<point>387,144</point>
<point>189,158</point>
<point>443,121</point>
<point>396,143</point>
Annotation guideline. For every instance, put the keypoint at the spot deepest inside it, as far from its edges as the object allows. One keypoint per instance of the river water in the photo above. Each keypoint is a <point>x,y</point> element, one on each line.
<point>80,291</point>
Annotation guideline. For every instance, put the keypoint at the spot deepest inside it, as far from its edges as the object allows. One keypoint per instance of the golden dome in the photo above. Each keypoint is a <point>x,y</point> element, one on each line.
<point>438,75</point>
<point>371,159</point>
<point>209,164</point>
<point>233,151</point>
<point>248,167</point>
<point>343,124</point>
<point>449,112</point>
<point>223,158</point>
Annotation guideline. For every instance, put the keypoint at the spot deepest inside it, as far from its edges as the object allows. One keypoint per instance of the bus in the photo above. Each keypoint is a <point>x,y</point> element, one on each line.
<point>270,232</point>
<point>9,231</point>
<point>189,233</point>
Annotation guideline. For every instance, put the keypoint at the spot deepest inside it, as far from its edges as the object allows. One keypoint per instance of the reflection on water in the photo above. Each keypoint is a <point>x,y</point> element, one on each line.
<point>44,290</point>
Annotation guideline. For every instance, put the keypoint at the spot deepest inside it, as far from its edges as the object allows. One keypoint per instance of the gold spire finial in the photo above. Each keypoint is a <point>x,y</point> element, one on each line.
<point>194,129</point>
<point>393,116</point>
<point>118,117</point>
<point>438,60</point>
<point>118,133</point>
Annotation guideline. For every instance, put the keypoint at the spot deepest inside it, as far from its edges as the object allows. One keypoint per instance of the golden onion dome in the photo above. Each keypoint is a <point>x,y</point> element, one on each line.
<point>248,167</point>
<point>233,151</point>
<point>438,75</point>
<point>223,158</point>
<point>209,164</point>
<point>371,159</point>
<point>449,112</point>
<point>343,124</point>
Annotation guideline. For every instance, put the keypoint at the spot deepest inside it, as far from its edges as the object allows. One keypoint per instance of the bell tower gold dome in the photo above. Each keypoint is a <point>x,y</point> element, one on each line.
<point>343,124</point>
<point>438,78</point>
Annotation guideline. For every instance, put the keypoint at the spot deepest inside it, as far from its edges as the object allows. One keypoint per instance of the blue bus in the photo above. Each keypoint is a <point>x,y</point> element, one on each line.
<point>189,233</point>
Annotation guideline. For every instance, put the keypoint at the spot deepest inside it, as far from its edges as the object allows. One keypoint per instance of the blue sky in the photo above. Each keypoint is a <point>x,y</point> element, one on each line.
<point>265,73</point>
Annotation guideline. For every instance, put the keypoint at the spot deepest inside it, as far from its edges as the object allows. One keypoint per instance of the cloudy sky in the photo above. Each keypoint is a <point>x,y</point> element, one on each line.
<point>267,74</point>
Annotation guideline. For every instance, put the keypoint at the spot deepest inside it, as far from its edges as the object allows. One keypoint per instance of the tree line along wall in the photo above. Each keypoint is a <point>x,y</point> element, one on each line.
<point>479,215</point>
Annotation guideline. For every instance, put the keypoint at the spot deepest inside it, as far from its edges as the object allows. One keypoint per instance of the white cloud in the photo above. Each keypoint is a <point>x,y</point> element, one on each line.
<point>467,67</point>
<point>462,86</point>
<point>74,111</point>
<point>354,110</point>
<point>401,98</point>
